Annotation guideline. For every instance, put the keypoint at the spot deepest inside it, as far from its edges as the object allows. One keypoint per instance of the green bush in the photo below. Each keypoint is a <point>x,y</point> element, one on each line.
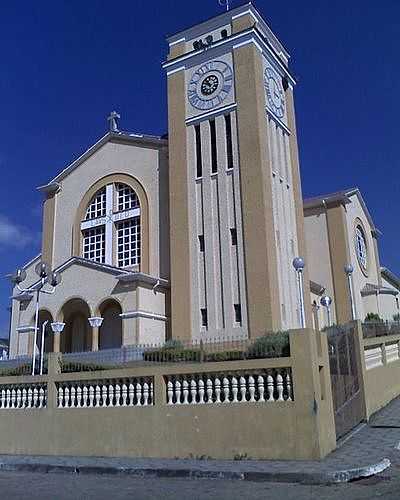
<point>372,318</point>
<point>170,355</point>
<point>71,367</point>
<point>224,356</point>
<point>272,345</point>
<point>25,369</point>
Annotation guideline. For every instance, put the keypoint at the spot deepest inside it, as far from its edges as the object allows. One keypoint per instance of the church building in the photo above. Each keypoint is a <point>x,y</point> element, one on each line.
<point>193,235</point>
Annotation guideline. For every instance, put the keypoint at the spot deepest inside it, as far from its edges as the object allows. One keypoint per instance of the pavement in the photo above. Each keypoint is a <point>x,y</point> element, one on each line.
<point>369,450</point>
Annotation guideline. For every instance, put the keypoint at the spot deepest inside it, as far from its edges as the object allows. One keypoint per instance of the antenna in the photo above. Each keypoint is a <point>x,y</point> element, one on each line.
<point>225,3</point>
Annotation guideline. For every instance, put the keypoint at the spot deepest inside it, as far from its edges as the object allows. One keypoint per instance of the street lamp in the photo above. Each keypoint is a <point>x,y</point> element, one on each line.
<point>298,264</point>
<point>46,275</point>
<point>56,329</point>
<point>349,269</point>
<point>326,301</point>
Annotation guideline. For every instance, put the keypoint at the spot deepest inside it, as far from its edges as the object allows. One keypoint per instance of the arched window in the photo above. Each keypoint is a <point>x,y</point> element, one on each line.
<point>113,212</point>
<point>361,248</point>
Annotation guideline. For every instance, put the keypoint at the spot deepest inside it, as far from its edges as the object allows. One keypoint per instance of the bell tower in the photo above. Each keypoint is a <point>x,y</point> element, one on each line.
<point>236,210</point>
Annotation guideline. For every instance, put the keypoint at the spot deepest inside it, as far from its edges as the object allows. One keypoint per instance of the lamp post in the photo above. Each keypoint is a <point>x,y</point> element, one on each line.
<point>46,275</point>
<point>349,269</point>
<point>298,264</point>
<point>326,301</point>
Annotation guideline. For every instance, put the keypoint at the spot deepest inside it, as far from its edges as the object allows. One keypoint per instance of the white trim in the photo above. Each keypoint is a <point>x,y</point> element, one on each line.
<point>25,329</point>
<point>278,121</point>
<point>181,68</point>
<point>109,227</point>
<point>143,314</point>
<point>215,112</point>
<point>253,35</point>
<point>177,41</point>
<point>245,13</point>
<point>248,42</point>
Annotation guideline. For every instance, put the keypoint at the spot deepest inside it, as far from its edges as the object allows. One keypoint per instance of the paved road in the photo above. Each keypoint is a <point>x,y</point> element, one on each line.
<point>24,486</point>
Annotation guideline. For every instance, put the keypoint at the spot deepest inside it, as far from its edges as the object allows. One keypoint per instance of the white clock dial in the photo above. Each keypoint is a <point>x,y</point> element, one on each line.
<point>275,92</point>
<point>210,85</point>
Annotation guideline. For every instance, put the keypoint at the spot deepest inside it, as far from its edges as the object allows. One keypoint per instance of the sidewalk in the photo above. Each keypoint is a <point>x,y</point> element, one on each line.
<point>369,450</point>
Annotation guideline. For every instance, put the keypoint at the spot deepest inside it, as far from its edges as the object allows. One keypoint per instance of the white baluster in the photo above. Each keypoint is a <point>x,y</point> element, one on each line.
<point>24,395</point>
<point>104,396</point>
<point>79,397</point>
<point>177,392</point>
<point>19,398</point>
<point>185,385</point>
<point>209,391</point>
<point>252,389</point>
<point>217,391</point>
<point>170,390</point>
<point>85,396</point>
<point>145,394</point>
<point>279,384</point>
<point>138,394</point>
<point>13,398</point>
<point>201,391</point>
<point>41,397</point>
<point>98,396</point>
<point>124,394</point>
<point>91,396</point>
<point>260,387</point>
<point>111,395</point>
<point>66,397</point>
<point>270,387</point>
<point>29,398</point>
<point>60,397</point>
<point>72,393</point>
<point>151,399</point>
<point>193,391</point>
<point>3,398</point>
<point>131,394</point>
<point>8,404</point>
<point>117,395</point>
<point>289,387</point>
<point>225,387</point>
<point>243,389</point>
<point>235,390</point>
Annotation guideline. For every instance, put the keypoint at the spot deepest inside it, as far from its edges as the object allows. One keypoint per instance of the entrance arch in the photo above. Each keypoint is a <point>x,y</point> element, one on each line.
<point>110,334</point>
<point>76,336</point>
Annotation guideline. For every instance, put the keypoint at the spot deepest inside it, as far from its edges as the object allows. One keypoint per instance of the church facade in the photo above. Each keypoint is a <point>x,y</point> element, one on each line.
<point>193,236</point>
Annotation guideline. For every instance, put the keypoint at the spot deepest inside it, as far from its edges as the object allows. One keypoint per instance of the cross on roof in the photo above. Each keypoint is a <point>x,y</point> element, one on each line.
<point>114,116</point>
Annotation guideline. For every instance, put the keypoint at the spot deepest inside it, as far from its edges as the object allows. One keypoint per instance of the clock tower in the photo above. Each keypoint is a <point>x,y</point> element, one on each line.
<point>236,210</point>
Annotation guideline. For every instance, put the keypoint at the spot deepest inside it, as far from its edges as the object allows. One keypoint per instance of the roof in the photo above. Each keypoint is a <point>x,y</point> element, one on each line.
<point>371,289</point>
<point>118,137</point>
<point>339,197</point>
<point>392,278</point>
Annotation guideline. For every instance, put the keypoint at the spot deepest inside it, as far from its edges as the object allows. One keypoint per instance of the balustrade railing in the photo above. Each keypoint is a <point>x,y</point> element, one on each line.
<point>263,386</point>
<point>23,397</point>
<point>106,393</point>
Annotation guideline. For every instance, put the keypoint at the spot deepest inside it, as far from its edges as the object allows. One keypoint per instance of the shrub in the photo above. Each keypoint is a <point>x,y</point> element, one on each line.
<point>396,317</point>
<point>272,345</point>
<point>171,355</point>
<point>372,318</point>
<point>224,356</point>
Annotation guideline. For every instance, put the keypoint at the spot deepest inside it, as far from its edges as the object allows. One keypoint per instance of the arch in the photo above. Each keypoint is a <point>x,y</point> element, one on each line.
<point>45,315</point>
<point>110,333</point>
<point>76,336</point>
<point>133,183</point>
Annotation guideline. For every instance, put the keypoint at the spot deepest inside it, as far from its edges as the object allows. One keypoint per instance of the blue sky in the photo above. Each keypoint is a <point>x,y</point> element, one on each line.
<point>66,65</point>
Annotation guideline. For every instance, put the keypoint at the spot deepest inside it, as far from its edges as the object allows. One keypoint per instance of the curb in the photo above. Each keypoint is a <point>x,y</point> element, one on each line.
<point>314,478</point>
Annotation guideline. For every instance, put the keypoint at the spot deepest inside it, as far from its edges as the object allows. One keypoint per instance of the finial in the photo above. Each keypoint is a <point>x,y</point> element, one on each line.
<point>114,116</point>
<point>225,3</point>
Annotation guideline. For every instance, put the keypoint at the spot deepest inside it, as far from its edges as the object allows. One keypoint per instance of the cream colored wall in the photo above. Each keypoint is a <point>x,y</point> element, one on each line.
<point>144,164</point>
<point>389,304</point>
<point>318,257</point>
<point>355,211</point>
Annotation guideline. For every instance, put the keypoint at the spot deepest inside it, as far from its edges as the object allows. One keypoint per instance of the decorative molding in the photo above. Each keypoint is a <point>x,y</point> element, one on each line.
<point>132,277</point>
<point>173,71</point>
<point>143,314</point>
<point>175,42</point>
<point>215,112</point>
<point>25,329</point>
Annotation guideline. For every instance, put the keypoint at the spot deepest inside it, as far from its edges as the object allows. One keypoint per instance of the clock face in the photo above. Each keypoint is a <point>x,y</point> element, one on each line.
<point>275,92</point>
<point>210,85</point>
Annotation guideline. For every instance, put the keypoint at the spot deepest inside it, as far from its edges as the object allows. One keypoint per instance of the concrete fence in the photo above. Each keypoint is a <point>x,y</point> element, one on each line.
<point>278,408</point>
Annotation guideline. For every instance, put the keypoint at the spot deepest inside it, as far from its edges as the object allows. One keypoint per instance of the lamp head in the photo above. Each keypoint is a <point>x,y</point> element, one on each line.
<point>326,301</point>
<point>55,279</point>
<point>57,327</point>
<point>18,277</point>
<point>348,269</point>
<point>42,270</point>
<point>298,264</point>
<point>96,322</point>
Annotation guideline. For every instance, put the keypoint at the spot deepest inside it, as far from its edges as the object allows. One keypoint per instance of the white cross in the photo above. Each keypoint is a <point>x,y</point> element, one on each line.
<point>114,116</point>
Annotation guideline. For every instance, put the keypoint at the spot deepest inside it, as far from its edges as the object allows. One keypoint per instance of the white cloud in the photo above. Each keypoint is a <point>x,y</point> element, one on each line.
<point>13,235</point>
